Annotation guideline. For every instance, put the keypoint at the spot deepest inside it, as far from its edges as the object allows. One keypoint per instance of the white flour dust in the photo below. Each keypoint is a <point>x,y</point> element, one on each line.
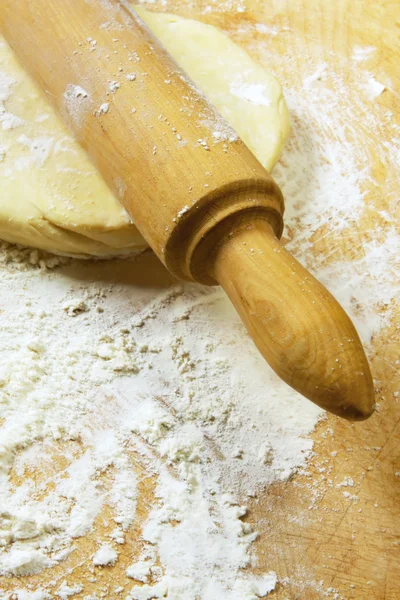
<point>255,93</point>
<point>107,385</point>
<point>77,103</point>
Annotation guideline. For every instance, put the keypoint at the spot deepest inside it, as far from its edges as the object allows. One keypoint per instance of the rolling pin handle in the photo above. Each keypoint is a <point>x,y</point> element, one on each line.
<point>298,326</point>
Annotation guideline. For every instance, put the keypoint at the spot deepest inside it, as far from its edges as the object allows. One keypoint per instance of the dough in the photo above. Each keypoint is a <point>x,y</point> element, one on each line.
<point>52,197</point>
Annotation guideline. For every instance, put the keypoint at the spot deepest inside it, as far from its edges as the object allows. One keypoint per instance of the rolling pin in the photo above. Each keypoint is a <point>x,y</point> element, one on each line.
<point>203,202</point>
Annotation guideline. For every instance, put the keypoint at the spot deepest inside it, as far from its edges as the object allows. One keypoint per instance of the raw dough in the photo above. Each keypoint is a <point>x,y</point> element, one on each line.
<point>51,195</point>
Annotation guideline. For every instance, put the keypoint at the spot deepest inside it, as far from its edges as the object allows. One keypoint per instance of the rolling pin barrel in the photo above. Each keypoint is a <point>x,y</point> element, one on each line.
<point>173,162</point>
<point>204,203</point>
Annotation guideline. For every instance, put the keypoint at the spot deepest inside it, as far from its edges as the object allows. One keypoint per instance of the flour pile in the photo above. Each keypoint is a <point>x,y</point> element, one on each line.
<point>93,373</point>
<point>109,387</point>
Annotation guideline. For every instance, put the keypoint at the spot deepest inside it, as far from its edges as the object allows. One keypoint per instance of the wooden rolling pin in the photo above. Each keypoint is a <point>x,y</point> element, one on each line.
<point>203,202</point>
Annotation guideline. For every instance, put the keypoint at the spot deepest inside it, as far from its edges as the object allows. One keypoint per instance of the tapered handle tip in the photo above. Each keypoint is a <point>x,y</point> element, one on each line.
<point>298,326</point>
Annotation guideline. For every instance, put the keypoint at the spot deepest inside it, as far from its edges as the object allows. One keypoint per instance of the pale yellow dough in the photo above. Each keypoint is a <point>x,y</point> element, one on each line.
<point>52,197</point>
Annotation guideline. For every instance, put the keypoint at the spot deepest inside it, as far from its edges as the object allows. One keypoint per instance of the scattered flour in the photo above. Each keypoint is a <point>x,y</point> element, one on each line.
<point>347,482</point>
<point>65,591</point>
<point>103,108</point>
<point>363,53</point>
<point>105,556</point>
<point>255,93</point>
<point>104,386</point>
<point>374,87</point>
<point>140,571</point>
<point>77,103</point>
<point>211,6</point>
<point>318,75</point>
<point>7,120</point>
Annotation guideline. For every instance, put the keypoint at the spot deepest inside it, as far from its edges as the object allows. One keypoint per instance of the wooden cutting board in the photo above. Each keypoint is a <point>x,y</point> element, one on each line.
<point>310,534</point>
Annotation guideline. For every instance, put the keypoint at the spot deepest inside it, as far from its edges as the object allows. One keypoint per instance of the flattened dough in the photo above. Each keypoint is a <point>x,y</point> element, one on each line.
<point>52,197</point>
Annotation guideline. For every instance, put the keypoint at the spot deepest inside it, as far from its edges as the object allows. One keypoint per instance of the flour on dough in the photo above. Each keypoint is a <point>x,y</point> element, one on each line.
<point>51,195</point>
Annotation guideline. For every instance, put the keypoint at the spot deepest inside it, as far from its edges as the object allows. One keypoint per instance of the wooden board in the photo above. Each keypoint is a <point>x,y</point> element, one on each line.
<point>310,534</point>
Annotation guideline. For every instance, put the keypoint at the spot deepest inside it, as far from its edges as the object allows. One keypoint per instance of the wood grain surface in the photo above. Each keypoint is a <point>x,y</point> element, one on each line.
<point>319,542</point>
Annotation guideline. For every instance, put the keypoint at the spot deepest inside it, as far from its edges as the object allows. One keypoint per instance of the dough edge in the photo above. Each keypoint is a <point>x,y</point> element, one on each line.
<point>93,238</point>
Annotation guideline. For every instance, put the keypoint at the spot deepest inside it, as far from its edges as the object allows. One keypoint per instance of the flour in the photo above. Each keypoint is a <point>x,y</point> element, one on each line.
<point>212,6</point>
<point>66,591</point>
<point>39,150</point>
<point>114,86</point>
<point>140,571</point>
<point>77,103</point>
<point>103,109</point>
<point>105,556</point>
<point>106,384</point>
<point>318,75</point>
<point>7,120</point>
<point>255,93</point>
<point>128,376</point>
<point>363,53</point>
<point>374,87</point>
<point>22,594</point>
<point>347,482</point>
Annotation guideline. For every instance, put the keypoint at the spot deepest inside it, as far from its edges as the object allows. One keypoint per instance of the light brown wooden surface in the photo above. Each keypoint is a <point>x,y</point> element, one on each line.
<point>310,533</point>
<point>309,341</point>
